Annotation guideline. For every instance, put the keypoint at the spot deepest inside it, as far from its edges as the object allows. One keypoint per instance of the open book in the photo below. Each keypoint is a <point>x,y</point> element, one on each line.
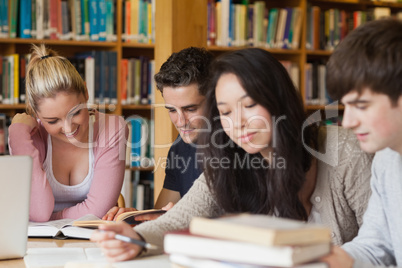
<point>128,217</point>
<point>60,228</point>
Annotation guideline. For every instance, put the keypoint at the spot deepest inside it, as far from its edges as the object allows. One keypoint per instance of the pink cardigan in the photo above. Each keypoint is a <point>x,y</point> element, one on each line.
<point>110,136</point>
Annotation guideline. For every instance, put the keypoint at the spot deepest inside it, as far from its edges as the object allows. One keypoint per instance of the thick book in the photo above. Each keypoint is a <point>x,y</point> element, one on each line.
<point>183,261</point>
<point>60,228</point>
<point>128,217</point>
<point>261,229</point>
<point>184,243</point>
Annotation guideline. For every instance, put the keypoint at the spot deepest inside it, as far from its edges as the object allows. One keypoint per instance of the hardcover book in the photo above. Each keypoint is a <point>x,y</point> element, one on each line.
<point>261,229</point>
<point>184,243</point>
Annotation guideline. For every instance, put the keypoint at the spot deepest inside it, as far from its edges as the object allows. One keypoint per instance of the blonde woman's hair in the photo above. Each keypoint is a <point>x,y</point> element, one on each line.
<point>48,74</point>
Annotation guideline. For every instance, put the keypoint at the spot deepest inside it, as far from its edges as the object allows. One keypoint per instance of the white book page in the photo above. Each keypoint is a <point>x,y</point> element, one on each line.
<point>53,228</point>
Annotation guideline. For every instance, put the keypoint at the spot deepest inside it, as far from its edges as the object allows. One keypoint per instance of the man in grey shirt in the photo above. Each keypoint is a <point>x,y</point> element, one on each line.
<point>365,73</point>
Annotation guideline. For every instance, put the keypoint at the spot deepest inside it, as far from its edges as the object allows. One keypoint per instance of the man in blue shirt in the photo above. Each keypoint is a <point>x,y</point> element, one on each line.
<point>182,80</point>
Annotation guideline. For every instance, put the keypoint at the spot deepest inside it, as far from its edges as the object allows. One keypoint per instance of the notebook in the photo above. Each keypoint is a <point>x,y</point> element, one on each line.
<point>15,188</point>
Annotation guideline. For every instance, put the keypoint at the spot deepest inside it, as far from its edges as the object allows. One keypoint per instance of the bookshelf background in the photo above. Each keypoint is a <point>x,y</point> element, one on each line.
<point>177,25</point>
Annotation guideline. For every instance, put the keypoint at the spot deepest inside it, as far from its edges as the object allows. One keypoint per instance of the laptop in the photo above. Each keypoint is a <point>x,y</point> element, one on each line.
<point>15,189</point>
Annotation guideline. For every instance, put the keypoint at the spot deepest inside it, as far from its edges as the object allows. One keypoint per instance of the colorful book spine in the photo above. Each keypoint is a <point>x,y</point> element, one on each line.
<point>13,16</point>
<point>25,19</point>
<point>102,13</point>
<point>93,19</point>
<point>85,24</point>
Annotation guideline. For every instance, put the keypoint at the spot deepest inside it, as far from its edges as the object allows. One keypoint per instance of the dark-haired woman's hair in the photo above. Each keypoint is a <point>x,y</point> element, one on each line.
<point>245,187</point>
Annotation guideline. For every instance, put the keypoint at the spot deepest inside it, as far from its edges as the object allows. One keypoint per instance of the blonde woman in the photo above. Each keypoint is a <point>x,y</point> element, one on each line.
<point>78,153</point>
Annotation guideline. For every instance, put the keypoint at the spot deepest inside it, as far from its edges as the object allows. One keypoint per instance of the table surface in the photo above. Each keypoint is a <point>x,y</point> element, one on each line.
<point>76,243</point>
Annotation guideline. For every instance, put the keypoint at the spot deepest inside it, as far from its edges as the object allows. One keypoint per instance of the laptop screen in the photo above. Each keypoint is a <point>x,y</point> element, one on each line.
<point>15,188</point>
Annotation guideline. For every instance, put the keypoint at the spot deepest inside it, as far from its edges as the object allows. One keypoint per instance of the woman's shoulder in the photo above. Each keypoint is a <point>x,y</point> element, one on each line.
<point>343,146</point>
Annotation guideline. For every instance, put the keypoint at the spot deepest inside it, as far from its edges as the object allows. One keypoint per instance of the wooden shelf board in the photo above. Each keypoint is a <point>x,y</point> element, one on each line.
<point>361,2</point>
<point>137,45</point>
<point>140,168</point>
<point>136,107</point>
<point>318,52</point>
<point>272,50</point>
<point>58,42</point>
<point>12,106</point>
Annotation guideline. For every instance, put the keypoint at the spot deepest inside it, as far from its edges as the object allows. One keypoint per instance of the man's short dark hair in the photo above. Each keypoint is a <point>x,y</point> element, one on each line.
<point>369,57</point>
<point>185,67</point>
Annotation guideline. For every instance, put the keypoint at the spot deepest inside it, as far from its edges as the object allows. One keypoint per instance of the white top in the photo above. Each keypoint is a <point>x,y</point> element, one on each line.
<point>315,216</point>
<point>65,195</point>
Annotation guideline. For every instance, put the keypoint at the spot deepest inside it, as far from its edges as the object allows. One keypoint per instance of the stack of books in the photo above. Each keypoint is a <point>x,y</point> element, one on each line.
<point>246,240</point>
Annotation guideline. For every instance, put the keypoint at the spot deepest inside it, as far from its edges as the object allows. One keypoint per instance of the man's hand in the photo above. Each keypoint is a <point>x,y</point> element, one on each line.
<point>338,258</point>
<point>27,120</point>
<point>112,214</point>
<point>113,249</point>
<point>149,217</point>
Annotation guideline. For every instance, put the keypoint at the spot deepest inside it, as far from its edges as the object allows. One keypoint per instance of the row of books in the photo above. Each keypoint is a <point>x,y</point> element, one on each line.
<point>4,123</point>
<point>137,82</point>
<point>326,28</point>
<point>139,150</point>
<point>97,68</point>
<point>237,23</point>
<point>246,240</point>
<point>93,20</point>
<point>12,78</point>
<point>315,87</point>
<point>139,21</point>
<point>143,190</point>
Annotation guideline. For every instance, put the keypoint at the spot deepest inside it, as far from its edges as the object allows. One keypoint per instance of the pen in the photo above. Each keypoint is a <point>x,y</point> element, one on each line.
<point>135,241</point>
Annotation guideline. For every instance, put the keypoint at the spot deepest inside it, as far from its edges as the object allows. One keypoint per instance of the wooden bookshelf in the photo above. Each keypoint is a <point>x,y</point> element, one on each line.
<point>302,55</point>
<point>180,24</point>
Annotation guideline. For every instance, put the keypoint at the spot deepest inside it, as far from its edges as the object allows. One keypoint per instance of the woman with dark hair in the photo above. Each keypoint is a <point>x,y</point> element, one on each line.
<point>260,158</point>
<point>272,93</point>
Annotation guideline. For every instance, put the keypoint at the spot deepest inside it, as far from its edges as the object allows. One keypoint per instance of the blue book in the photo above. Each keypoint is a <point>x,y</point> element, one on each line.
<point>232,25</point>
<point>136,125</point>
<point>102,20</point>
<point>142,21</point>
<point>4,18</point>
<point>286,43</point>
<point>93,20</point>
<point>110,18</point>
<point>25,19</point>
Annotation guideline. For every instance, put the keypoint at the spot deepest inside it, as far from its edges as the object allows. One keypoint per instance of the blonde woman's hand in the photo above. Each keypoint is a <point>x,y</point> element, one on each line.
<point>27,120</point>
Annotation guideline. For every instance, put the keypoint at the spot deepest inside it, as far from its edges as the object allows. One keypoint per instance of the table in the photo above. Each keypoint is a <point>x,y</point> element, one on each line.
<point>159,261</point>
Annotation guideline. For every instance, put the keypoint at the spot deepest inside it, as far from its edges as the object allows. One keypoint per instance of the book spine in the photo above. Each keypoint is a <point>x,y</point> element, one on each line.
<point>25,19</point>
<point>90,78</point>
<point>93,18</point>
<point>102,19</point>
<point>123,88</point>
<point>113,76</point>
<point>85,25</point>
<point>13,15</point>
